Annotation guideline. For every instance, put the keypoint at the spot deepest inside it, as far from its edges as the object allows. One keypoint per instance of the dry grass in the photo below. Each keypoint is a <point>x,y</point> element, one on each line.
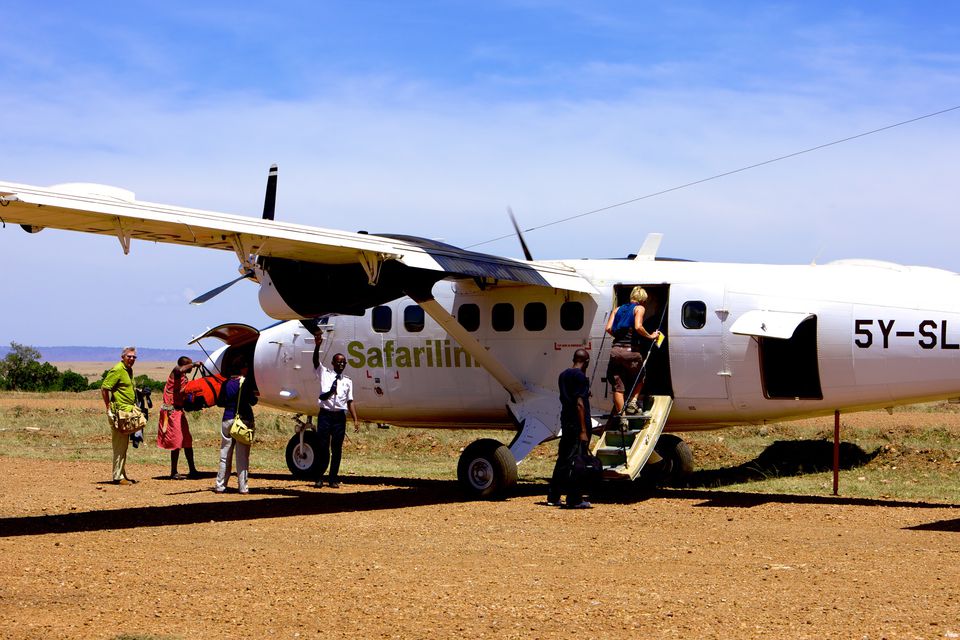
<point>911,454</point>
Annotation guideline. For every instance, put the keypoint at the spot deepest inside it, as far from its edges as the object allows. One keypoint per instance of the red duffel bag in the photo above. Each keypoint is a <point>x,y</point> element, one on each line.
<point>202,392</point>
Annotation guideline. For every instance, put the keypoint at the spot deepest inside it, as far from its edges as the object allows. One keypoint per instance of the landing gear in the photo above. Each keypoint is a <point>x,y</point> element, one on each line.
<point>486,469</point>
<point>677,462</point>
<point>301,458</point>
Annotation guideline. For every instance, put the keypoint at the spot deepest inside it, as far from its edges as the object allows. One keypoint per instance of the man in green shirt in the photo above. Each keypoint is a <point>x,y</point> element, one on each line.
<point>119,395</point>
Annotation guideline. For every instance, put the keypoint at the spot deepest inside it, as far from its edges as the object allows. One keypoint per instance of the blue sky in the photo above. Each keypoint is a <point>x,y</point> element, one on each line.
<point>430,118</point>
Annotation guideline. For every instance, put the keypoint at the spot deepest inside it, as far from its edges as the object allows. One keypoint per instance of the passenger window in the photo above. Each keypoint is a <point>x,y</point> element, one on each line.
<point>413,318</point>
<point>468,315</point>
<point>502,318</point>
<point>694,314</point>
<point>571,316</point>
<point>535,316</point>
<point>382,319</point>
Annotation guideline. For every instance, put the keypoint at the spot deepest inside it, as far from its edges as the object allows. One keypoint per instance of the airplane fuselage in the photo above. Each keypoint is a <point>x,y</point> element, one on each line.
<point>859,335</point>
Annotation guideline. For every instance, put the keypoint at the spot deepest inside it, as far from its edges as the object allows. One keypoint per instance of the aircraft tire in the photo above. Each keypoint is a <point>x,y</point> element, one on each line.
<point>486,469</point>
<point>302,464</point>
<point>677,459</point>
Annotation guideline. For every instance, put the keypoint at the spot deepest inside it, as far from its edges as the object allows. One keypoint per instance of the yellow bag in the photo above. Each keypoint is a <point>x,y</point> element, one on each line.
<point>127,422</point>
<point>240,432</point>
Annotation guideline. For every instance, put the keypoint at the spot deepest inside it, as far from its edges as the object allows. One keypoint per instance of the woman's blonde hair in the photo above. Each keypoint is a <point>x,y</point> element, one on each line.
<point>638,294</point>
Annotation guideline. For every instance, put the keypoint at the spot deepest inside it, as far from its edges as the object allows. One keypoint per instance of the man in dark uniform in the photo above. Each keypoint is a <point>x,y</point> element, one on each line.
<point>575,432</point>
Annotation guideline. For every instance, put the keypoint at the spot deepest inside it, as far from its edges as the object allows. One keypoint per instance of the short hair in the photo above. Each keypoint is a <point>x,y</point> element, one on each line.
<point>127,350</point>
<point>182,360</point>
<point>237,362</point>
<point>638,294</point>
<point>581,355</point>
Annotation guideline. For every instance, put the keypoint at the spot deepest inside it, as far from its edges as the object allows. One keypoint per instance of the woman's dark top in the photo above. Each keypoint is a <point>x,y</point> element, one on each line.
<point>247,399</point>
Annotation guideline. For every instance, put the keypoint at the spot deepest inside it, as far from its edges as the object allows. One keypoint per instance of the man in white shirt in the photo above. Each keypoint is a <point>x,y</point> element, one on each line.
<point>336,398</point>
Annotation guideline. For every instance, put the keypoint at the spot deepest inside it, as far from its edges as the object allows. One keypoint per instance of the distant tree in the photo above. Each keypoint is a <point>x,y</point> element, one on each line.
<point>73,381</point>
<point>19,357</point>
<point>43,377</point>
<point>20,368</point>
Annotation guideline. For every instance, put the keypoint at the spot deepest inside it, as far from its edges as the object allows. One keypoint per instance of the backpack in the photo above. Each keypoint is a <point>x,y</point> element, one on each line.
<point>202,392</point>
<point>623,320</point>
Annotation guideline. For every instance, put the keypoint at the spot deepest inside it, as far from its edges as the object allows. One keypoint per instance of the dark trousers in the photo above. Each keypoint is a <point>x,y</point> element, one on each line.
<point>331,429</point>
<point>564,481</point>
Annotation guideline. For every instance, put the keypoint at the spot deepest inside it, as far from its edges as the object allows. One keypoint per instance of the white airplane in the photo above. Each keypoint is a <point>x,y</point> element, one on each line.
<point>437,336</point>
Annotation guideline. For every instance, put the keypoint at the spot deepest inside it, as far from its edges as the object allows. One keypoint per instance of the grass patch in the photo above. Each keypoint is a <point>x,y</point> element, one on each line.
<point>905,462</point>
<point>913,454</point>
<point>68,426</point>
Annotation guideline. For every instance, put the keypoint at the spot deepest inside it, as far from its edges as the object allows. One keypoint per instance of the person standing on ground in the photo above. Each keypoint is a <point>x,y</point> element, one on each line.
<point>238,398</point>
<point>626,360</point>
<point>119,396</point>
<point>336,398</point>
<point>173,431</point>
<point>574,432</point>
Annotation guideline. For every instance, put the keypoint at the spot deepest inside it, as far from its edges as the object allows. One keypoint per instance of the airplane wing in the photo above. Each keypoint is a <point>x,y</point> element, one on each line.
<point>105,210</point>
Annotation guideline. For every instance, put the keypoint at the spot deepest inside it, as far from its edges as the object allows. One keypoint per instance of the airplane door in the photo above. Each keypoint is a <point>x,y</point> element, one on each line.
<point>698,356</point>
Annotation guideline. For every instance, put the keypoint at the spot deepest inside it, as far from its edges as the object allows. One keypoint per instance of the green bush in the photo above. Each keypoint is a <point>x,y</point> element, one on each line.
<point>73,381</point>
<point>144,381</point>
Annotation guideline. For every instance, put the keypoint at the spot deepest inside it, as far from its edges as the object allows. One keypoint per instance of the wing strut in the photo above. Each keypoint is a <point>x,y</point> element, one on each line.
<point>123,236</point>
<point>534,410</point>
<point>371,263</point>
<point>472,346</point>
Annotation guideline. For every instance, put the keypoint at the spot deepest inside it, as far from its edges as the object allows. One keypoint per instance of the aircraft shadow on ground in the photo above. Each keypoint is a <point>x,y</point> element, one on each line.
<point>743,499</point>
<point>783,458</point>
<point>298,499</point>
<point>950,526</point>
<point>267,502</point>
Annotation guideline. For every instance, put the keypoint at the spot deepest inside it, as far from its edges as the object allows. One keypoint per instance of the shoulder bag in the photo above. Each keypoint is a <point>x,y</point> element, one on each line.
<point>239,430</point>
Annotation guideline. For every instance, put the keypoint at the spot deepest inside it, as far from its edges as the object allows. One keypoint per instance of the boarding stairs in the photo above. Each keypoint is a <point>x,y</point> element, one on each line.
<point>624,450</point>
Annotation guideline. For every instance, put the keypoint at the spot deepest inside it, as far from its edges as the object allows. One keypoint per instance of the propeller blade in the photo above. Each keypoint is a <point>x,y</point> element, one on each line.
<point>215,292</point>
<point>516,227</point>
<point>270,199</point>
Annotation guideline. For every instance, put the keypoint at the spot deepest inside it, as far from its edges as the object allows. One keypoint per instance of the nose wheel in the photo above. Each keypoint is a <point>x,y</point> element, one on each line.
<point>301,457</point>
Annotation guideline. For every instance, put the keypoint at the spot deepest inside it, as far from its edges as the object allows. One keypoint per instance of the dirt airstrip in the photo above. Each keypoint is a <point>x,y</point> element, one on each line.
<point>383,558</point>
